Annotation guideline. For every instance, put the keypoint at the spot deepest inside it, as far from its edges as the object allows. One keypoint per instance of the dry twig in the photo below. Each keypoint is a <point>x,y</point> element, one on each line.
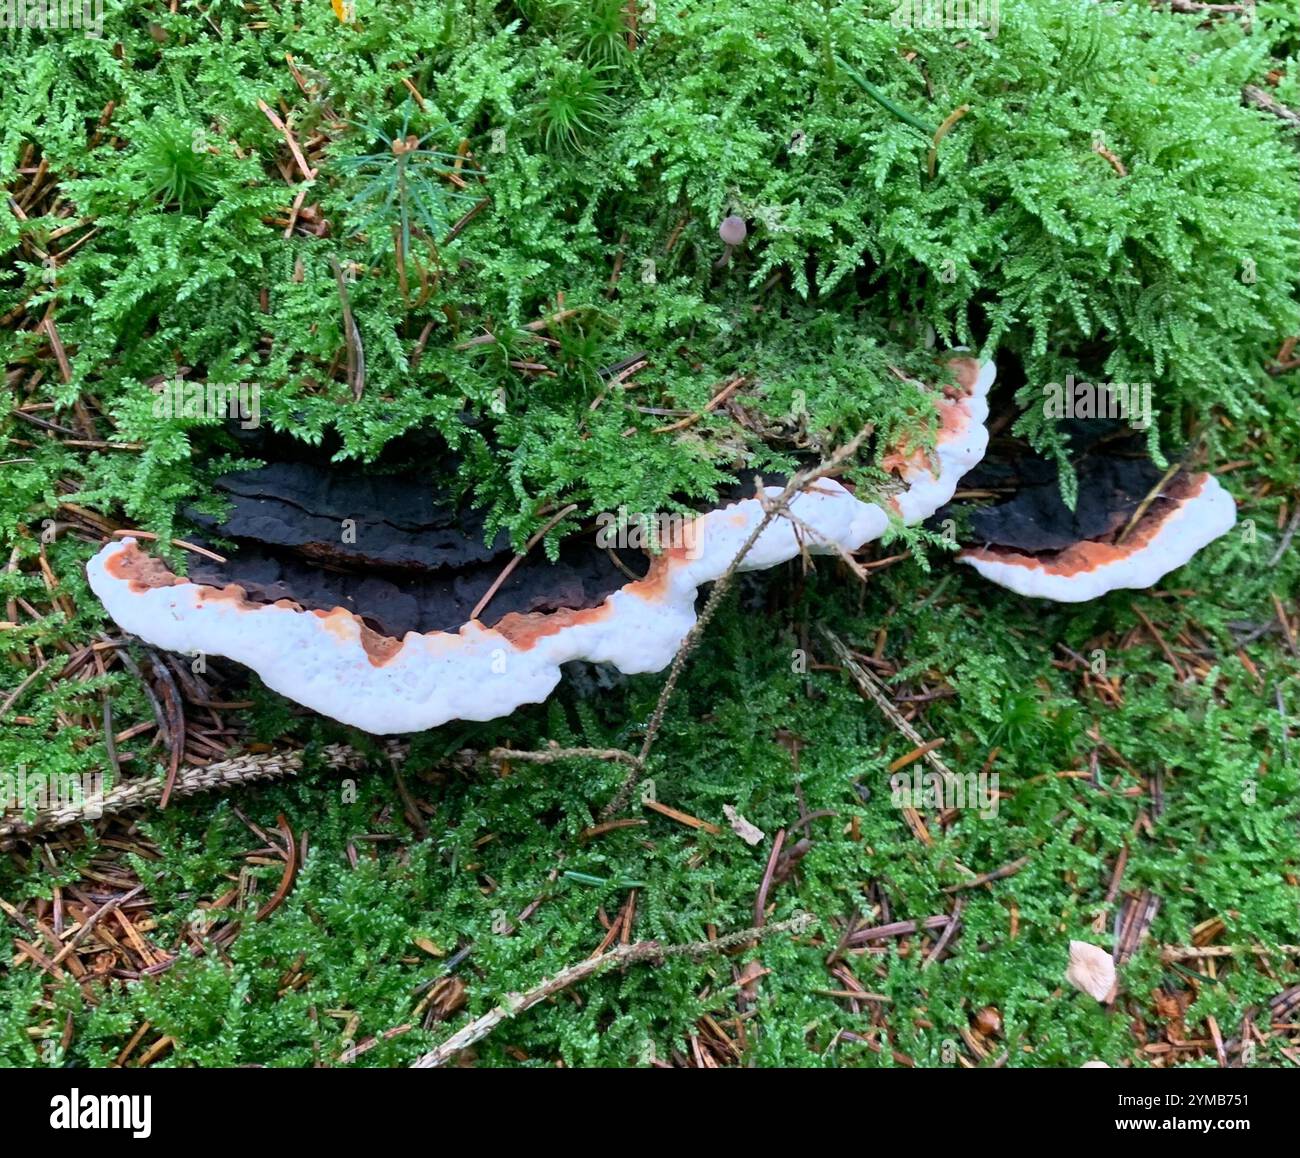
<point>633,954</point>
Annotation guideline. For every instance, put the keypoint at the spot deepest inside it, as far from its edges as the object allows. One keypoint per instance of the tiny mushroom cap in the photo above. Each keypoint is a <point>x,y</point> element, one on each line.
<point>733,230</point>
<point>1091,970</point>
<point>1094,1065</point>
<point>988,1020</point>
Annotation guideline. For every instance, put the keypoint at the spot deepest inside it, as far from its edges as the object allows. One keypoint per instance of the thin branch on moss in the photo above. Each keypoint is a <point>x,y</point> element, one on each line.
<point>875,691</point>
<point>998,874</point>
<point>635,954</point>
<point>726,392</point>
<point>109,906</point>
<point>238,770</point>
<point>12,697</point>
<point>1196,6</point>
<point>554,755</point>
<point>1287,536</point>
<point>760,901</point>
<point>772,509</point>
<point>1256,96</point>
<point>351,337</point>
<point>1206,952</point>
<point>307,171</point>
<point>944,129</point>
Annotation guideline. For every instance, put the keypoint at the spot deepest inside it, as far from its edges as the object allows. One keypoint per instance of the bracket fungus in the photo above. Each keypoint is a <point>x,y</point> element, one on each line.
<point>1191,511</point>
<point>407,654</point>
<point>332,661</point>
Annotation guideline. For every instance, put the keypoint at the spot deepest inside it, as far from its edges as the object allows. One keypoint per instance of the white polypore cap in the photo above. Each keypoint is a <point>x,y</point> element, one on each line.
<point>331,662</point>
<point>1164,539</point>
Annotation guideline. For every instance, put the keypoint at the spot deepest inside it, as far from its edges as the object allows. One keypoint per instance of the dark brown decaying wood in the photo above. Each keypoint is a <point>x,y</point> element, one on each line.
<point>1113,489</point>
<point>1133,922</point>
<point>414,559</point>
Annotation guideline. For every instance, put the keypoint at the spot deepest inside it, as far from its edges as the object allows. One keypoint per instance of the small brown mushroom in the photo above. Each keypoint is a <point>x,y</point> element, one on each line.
<point>988,1021</point>
<point>733,231</point>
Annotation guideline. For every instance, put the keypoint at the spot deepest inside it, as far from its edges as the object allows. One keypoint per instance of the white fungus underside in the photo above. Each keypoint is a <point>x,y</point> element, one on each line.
<point>476,673</point>
<point>1185,530</point>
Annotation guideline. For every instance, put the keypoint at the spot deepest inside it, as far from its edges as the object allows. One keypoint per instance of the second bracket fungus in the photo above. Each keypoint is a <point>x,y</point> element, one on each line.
<point>333,662</point>
<point>1191,511</point>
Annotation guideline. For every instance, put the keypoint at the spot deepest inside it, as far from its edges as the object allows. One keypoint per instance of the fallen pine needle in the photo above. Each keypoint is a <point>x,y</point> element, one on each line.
<point>914,755</point>
<point>681,817</point>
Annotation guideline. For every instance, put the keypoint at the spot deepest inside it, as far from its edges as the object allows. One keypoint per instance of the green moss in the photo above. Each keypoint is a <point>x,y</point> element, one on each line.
<point>1026,241</point>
